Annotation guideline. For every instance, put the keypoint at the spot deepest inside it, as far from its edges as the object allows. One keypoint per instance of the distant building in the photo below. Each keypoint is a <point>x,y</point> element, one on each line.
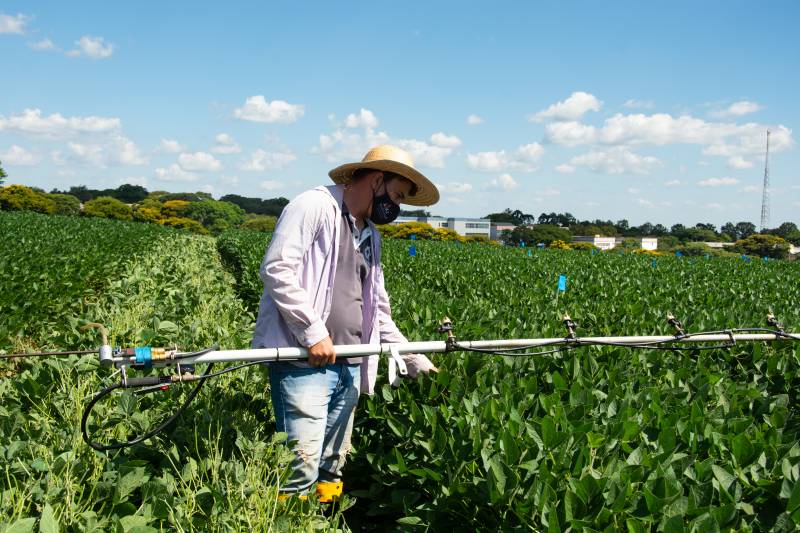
<point>497,229</point>
<point>601,243</point>
<point>609,243</point>
<point>434,222</point>
<point>719,245</point>
<point>466,227</point>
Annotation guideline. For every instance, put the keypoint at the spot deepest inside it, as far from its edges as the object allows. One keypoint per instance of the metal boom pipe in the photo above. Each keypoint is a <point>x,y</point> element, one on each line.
<point>360,350</point>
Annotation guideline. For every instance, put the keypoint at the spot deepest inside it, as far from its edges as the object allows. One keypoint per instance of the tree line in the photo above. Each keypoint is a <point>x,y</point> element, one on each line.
<point>700,232</point>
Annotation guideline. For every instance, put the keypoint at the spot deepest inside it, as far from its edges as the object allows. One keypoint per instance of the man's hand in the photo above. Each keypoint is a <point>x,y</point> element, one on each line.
<point>322,353</point>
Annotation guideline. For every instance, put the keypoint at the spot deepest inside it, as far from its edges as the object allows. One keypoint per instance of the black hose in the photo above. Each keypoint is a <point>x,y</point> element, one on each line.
<point>136,440</point>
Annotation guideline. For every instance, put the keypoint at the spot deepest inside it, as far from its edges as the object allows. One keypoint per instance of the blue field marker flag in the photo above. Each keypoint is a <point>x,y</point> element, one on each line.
<point>678,254</point>
<point>562,283</point>
<point>413,237</point>
<point>653,263</point>
<point>531,255</point>
<point>412,250</point>
<point>522,244</point>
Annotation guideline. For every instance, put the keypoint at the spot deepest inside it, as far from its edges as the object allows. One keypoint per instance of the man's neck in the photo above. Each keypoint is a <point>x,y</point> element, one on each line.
<point>360,222</point>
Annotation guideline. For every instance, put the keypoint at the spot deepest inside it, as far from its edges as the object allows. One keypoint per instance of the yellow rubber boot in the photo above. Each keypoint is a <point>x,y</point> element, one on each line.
<point>328,492</point>
<point>284,496</point>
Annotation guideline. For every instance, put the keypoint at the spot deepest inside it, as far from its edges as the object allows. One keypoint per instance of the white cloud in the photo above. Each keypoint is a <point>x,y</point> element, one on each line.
<point>720,138</point>
<point>713,205</point>
<point>271,185</point>
<point>474,120</point>
<point>750,188</point>
<point>365,119</point>
<point>645,203</point>
<point>716,182</point>
<point>32,122</point>
<point>118,150</point>
<point>737,109</point>
<point>454,187</point>
<point>226,145</point>
<point>350,141</point>
<point>633,190</point>
<point>94,47</point>
<point>673,183</point>
<point>258,109</point>
<point>207,188</point>
<point>445,141</point>
<point>424,154</point>
<point>175,173</point>
<point>524,159</point>
<point>738,161</point>
<point>45,45</point>
<point>89,153</point>
<point>572,108</point>
<point>261,160</point>
<point>170,146</point>
<point>229,180</point>
<point>125,151</point>
<point>504,181</point>
<point>199,162</point>
<point>57,156</point>
<point>564,168</point>
<point>616,160</point>
<point>14,24</point>
<point>570,133</point>
<point>18,156</point>
<point>639,104</point>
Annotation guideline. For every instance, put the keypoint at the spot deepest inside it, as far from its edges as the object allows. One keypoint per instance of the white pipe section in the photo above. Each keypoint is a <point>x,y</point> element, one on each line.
<point>356,350</point>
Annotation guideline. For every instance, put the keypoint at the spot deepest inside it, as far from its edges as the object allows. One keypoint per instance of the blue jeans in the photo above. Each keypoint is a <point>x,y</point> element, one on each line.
<point>315,407</point>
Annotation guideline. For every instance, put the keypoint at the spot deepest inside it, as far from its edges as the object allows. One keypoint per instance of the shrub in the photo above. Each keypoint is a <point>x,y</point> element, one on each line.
<point>107,207</point>
<point>66,204</point>
<point>21,198</point>
<point>420,229</point>
<point>262,223</point>
<point>184,223</point>
<point>215,215</point>
<point>146,214</point>
<point>387,230</point>
<point>445,234</point>
<point>763,246</point>
<point>694,249</point>
<point>559,245</point>
<point>583,246</point>
<point>174,208</point>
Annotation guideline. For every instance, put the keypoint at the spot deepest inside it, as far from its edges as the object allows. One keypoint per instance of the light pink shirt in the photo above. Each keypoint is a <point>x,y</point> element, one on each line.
<point>298,271</point>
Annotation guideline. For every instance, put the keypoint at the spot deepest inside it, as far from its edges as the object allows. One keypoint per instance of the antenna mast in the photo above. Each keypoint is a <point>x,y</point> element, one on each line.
<point>765,194</point>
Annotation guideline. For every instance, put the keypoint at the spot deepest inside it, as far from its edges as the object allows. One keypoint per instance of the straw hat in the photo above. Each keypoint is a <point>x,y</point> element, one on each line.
<point>391,159</point>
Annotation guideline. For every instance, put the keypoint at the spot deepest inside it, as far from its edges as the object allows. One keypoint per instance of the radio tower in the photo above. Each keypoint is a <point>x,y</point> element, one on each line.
<point>765,194</point>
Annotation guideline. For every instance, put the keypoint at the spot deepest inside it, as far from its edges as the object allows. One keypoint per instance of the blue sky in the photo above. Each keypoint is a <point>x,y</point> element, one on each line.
<point>606,110</point>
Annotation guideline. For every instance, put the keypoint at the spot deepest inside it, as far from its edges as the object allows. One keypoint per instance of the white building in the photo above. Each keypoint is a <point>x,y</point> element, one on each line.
<point>498,228</point>
<point>609,243</point>
<point>466,227</point>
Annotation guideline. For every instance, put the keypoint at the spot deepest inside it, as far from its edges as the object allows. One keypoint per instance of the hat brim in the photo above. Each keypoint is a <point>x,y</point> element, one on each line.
<point>427,193</point>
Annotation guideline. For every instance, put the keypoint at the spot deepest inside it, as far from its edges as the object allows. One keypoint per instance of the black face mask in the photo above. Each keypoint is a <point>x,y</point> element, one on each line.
<point>384,210</point>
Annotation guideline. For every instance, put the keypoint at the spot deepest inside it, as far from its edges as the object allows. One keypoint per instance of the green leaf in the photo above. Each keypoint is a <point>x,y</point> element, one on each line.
<point>549,433</point>
<point>794,499</point>
<point>48,522</point>
<point>23,525</point>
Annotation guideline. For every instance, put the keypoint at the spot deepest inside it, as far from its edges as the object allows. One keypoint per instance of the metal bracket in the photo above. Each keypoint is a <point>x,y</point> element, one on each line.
<point>397,366</point>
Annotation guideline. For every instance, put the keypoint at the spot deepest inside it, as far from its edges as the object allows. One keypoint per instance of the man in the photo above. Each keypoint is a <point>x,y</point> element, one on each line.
<point>323,286</point>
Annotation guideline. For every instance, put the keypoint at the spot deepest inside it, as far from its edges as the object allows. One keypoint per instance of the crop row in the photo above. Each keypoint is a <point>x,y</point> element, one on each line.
<point>601,438</point>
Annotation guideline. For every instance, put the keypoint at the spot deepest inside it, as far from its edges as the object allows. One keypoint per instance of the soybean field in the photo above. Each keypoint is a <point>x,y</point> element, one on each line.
<point>592,439</point>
